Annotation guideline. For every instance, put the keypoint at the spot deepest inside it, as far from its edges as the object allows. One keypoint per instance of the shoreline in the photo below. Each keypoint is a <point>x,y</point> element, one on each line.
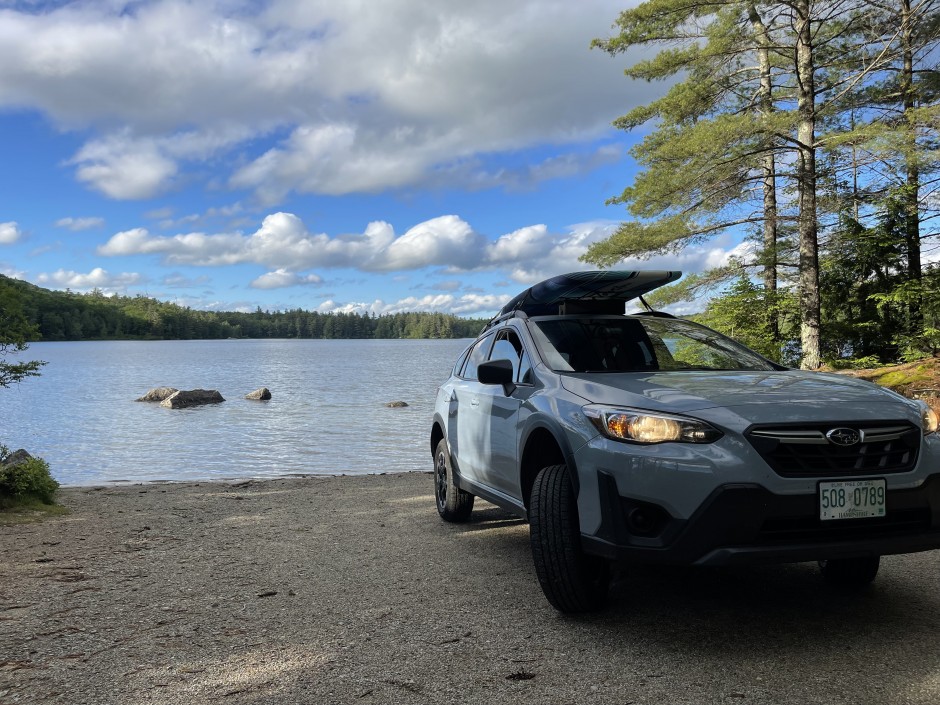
<point>350,589</point>
<point>235,481</point>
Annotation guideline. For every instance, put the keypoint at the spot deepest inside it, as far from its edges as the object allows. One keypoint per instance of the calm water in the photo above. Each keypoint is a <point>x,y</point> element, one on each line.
<point>326,417</point>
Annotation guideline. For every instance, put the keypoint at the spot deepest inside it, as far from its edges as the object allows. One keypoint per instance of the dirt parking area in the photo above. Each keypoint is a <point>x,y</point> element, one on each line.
<point>351,590</point>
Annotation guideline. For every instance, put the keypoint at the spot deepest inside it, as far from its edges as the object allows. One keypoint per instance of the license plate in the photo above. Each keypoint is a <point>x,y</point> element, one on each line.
<point>852,499</point>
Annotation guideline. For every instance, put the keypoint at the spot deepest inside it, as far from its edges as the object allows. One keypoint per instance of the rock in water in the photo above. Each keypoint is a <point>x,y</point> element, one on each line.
<point>263,394</point>
<point>17,457</point>
<point>192,397</point>
<point>397,404</point>
<point>158,394</point>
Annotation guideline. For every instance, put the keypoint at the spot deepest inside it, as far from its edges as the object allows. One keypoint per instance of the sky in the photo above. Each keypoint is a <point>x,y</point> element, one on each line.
<point>341,155</point>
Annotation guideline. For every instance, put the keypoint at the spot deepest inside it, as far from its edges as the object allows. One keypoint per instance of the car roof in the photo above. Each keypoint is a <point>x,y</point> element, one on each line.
<point>601,292</point>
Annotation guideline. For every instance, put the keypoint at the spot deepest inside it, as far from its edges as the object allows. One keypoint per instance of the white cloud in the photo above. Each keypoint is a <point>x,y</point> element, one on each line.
<point>10,271</point>
<point>281,279</point>
<point>9,233</point>
<point>124,169</point>
<point>126,166</point>
<point>284,245</point>
<point>469,304</point>
<point>447,241</point>
<point>164,83</point>
<point>97,278</point>
<point>77,224</point>
<point>283,242</point>
<point>521,245</point>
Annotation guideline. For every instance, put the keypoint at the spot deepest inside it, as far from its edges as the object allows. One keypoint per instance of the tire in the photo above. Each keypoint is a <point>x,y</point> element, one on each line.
<point>850,573</point>
<point>571,580</point>
<point>453,504</point>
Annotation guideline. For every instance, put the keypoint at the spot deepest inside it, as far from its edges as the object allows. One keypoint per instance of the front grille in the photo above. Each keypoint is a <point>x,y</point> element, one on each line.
<point>803,450</point>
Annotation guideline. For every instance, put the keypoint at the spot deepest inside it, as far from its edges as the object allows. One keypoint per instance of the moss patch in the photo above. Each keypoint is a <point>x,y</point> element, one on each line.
<point>917,380</point>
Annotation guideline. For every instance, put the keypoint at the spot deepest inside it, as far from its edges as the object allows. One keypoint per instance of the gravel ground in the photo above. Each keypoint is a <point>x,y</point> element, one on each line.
<point>351,590</point>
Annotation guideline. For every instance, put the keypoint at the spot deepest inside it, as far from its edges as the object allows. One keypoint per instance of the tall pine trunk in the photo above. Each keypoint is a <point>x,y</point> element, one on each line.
<point>806,181</point>
<point>768,167</point>
<point>912,175</point>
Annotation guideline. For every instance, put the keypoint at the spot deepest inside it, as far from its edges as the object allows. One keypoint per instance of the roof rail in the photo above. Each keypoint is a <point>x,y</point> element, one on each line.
<point>500,317</point>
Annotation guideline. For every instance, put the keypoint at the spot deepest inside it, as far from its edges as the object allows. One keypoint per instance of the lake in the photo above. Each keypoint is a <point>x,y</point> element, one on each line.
<point>327,415</point>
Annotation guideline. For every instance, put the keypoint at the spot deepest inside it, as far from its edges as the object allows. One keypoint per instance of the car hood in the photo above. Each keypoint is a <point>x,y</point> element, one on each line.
<point>692,390</point>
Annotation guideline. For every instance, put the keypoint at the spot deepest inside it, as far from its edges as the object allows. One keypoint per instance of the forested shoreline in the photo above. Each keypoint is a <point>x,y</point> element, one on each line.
<point>65,315</point>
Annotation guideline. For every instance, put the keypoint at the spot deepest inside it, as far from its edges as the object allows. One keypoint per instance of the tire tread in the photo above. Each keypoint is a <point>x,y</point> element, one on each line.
<point>571,580</point>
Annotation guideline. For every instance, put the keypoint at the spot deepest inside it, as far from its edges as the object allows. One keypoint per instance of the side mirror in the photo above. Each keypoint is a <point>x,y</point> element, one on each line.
<point>497,372</point>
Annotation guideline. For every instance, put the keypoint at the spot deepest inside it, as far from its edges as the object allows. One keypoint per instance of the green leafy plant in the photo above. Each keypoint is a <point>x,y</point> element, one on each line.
<point>25,483</point>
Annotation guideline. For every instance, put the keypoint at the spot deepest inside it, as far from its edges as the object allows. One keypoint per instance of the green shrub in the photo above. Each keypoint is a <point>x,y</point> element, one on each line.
<point>25,482</point>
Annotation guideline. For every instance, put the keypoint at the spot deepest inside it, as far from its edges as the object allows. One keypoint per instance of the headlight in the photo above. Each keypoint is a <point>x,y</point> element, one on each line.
<point>929,419</point>
<point>636,426</point>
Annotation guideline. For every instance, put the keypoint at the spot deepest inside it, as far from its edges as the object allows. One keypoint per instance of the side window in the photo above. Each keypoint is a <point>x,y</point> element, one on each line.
<point>525,369</point>
<point>477,355</point>
<point>460,362</point>
<point>509,347</point>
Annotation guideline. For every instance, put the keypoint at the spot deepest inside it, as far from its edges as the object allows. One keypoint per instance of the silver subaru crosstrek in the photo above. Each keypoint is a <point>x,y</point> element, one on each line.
<point>645,438</point>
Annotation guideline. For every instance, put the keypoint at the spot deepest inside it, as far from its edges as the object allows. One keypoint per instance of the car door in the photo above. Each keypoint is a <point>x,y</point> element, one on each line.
<point>467,426</point>
<point>499,458</point>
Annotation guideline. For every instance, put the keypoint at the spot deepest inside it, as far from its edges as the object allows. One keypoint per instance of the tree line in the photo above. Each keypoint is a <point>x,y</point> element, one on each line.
<point>812,127</point>
<point>55,315</point>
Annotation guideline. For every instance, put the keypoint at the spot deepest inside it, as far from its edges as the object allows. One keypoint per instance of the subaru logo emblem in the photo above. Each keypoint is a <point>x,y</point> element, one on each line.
<point>844,436</point>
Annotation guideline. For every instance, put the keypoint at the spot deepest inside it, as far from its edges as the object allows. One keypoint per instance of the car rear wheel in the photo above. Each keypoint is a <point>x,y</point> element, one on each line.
<point>850,572</point>
<point>571,580</point>
<point>453,504</point>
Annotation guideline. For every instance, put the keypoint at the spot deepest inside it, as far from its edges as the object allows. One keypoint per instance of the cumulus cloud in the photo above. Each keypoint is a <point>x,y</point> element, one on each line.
<point>123,169</point>
<point>9,233</point>
<point>97,278</point>
<point>126,166</point>
<point>447,240</point>
<point>77,224</point>
<point>283,242</point>
<point>281,279</point>
<point>284,245</point>
<point>164,83</point>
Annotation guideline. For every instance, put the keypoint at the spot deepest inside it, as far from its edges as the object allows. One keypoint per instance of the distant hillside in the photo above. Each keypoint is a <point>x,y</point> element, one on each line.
<point>65,315</point>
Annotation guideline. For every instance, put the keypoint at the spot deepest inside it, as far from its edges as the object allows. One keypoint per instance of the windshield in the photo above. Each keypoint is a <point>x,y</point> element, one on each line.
<point>637,344</point>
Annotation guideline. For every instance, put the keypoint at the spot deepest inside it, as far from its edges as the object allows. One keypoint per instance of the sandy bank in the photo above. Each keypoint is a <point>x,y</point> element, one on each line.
<point>351,590</point>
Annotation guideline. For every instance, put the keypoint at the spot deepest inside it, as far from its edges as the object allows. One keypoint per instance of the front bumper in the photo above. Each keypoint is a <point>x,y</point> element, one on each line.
<point>746,523</point>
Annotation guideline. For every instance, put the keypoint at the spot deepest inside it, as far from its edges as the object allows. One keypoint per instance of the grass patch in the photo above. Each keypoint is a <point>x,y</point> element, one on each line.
<point>29,511</point>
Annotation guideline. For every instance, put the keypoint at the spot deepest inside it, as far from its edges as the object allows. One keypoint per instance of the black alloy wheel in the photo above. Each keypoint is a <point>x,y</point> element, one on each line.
<point>453,503</point>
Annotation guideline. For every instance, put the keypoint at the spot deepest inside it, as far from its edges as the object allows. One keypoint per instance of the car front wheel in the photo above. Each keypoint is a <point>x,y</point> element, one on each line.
<point>850,572</point>
<point>453,504</point>
<point>571,580</point>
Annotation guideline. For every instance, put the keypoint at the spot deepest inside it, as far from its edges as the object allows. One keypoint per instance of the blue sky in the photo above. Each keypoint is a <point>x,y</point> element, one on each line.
<point>330,155</point>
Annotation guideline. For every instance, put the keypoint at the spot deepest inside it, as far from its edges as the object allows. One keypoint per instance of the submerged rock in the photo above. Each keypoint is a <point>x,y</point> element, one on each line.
<point>193,397</point>
<point>263,394</point>
<point>158,394</point>
<point>396,404</point>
